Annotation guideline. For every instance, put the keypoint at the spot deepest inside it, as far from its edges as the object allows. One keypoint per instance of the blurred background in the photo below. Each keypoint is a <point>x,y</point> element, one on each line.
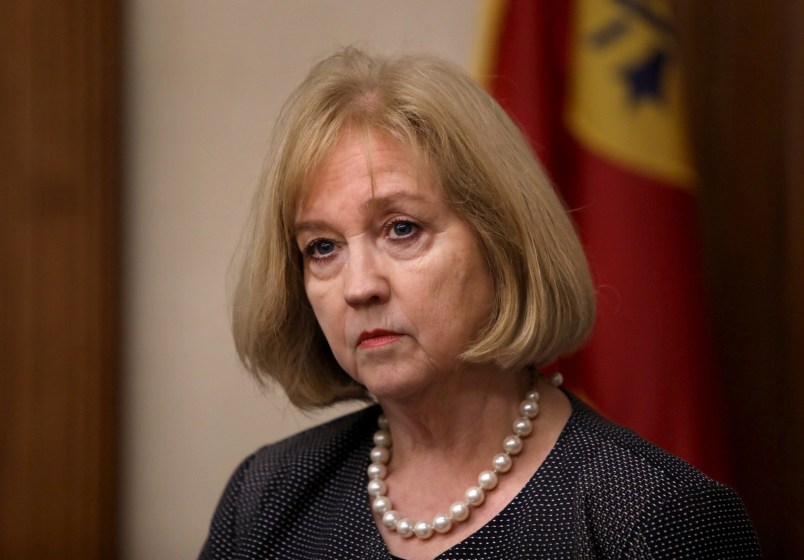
<point>132,135</point>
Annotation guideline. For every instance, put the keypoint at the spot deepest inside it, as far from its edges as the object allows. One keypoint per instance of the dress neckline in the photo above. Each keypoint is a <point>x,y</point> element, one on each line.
<point>538,478</point>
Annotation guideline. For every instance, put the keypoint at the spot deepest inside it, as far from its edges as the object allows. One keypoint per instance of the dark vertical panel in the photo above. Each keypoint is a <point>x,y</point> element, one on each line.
<point>59,183</point>
<point>746,114</point>
<point>794,202</point>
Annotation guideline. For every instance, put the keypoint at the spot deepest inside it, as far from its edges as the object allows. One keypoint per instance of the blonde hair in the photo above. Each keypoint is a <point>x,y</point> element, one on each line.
<point>544,299</point>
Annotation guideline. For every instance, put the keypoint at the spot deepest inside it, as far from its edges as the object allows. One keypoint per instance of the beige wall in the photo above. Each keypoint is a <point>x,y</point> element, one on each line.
<point>205,79</point>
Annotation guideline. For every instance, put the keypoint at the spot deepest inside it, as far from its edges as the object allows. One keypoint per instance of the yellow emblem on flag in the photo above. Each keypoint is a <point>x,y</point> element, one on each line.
<point>625,96</point>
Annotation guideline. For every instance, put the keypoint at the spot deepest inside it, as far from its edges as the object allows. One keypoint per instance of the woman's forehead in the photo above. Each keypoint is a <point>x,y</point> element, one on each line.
<point>372,152</point>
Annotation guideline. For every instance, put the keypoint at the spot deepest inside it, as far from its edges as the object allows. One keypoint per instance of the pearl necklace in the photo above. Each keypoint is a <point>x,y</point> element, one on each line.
<point>473,497</point>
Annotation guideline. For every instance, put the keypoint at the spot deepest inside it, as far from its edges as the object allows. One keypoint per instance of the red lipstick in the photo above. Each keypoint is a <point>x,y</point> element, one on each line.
<point>377,337</point>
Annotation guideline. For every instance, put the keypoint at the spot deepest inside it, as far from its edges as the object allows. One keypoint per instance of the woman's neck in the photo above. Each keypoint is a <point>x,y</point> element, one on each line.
<point>443,440</point>
<point>455,420</point>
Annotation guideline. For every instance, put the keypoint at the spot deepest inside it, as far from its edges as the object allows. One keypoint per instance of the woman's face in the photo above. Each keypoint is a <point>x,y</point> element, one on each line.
<point>396,279</point>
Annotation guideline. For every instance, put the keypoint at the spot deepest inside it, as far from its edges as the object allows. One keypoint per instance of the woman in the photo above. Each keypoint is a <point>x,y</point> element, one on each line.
<point>406,246</point>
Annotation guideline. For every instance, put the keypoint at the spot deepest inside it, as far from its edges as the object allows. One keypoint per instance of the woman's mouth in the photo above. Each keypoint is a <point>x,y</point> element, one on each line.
<point>377,337</point>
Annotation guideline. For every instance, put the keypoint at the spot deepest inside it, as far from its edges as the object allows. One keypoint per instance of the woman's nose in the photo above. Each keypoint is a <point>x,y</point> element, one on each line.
<point>365,280</point>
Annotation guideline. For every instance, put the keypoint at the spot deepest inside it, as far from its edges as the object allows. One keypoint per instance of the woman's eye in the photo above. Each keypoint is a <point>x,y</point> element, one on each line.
<point>320,248</point>
<point>403,228</point>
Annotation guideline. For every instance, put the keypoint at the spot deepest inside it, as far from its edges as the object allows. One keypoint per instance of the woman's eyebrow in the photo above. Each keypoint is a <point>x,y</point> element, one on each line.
<point>379,203</point>
<point>310,226</point>
<point>373,204</point>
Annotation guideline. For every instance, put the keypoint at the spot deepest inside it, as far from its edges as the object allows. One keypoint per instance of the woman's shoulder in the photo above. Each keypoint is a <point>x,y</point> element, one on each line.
<point>279,479</point>
<point>312,448</point>
<point>620,457</point>
<point>637,495</point>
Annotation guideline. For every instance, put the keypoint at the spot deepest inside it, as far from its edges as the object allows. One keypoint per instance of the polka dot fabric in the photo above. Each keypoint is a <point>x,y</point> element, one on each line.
<point>603,492</point>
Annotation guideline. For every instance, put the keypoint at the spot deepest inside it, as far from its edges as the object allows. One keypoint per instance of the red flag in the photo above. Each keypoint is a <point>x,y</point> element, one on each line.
<point>596,86</point>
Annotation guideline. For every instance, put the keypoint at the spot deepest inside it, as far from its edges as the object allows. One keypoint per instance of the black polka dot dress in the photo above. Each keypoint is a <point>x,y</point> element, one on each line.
<point>602,492</point>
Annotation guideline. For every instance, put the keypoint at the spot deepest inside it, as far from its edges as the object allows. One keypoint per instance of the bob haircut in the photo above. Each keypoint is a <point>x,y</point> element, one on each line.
<point>544,299</point>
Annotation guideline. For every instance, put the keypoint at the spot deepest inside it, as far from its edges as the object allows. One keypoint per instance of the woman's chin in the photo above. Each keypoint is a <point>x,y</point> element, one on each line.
<point>394,377</point>
<point>395,385</point>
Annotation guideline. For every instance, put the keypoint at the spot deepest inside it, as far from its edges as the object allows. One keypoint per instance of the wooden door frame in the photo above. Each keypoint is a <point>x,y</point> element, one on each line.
<point>60,138</point>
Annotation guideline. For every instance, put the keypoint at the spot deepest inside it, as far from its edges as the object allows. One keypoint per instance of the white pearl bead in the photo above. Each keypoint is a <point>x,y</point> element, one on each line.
<point>382,422</point>
<point>381,504</point>
<point>475,496</point>
<point>389,518</point>
<point>487,480</point>
<point>382,438</point>
<point>423,530</point>
<point>533,395</point>
<point>523,427</point>
<point>377,470</point>
<point>529,408</point>
<point>459,511</point>
<point>377,487</point>
<point>502,463</point>
<point>556,379</point>
<point>512,445</point>
<point>404,527</point>
<point>442,523</point>
<point>380,455</point>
